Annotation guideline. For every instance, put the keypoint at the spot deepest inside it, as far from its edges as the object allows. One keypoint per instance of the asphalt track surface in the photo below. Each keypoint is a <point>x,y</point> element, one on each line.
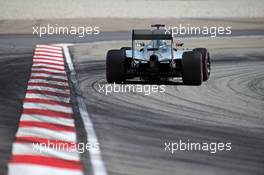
<point>132,127</point>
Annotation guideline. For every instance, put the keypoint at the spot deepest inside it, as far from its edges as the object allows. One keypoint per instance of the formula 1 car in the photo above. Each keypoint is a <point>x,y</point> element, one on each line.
<point>153,55</point>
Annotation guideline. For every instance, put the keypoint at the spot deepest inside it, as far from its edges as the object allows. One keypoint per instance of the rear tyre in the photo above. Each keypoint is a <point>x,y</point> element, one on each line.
<point>206,62</point>
<point>192,71</point>
<point>125,48</point>
<point>115,66</point>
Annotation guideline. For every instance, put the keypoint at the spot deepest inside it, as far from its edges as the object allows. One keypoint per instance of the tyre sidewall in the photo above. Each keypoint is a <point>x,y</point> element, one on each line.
<point>205,59</point>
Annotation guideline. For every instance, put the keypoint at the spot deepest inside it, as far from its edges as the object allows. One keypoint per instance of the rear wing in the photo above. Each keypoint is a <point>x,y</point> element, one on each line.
<point>160,34</point>
<point>157,34</point>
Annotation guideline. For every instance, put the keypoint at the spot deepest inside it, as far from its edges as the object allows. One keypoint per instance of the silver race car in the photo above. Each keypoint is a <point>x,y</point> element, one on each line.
<point>153,56</point>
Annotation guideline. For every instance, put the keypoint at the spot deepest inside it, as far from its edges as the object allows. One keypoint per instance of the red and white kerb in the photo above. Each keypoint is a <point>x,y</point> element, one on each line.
<point>46,129</point>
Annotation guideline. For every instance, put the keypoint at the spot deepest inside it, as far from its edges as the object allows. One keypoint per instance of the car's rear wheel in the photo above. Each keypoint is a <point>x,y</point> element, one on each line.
<point>115,66</point>
<point>206,62</point>
<point>125,48</point>
<point>192,71</point>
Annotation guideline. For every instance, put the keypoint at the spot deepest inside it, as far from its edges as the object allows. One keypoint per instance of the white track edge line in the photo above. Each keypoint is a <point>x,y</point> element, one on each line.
<point>95,155</point>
